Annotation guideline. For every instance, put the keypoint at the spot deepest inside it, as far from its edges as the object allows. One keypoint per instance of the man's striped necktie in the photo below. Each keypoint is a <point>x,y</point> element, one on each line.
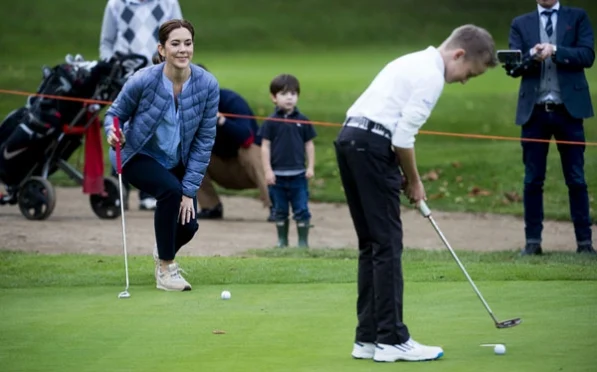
<point>549,24</point>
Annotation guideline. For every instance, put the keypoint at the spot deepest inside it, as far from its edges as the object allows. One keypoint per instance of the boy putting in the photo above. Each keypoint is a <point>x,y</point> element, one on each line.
<point>378,138</point>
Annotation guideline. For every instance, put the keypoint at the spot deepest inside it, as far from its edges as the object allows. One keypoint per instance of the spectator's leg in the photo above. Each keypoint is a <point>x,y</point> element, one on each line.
<point>299,199</point>
<point>534,155</point>
<point>250,161</point>
<point>572,158</point>
<point>281,201</point>
<point>150,176</point>
<point>208,199</point>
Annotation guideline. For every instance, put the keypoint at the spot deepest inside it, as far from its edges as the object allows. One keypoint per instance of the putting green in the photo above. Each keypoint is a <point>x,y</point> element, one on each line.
<point>286,327</point>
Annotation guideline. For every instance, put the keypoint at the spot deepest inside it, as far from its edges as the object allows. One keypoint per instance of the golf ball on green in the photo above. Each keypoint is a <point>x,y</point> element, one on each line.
<point>499,349</point>
<point>225,295</point>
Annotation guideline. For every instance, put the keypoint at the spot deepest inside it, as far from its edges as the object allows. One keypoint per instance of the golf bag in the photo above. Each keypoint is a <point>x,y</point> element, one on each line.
<point>36,140</point>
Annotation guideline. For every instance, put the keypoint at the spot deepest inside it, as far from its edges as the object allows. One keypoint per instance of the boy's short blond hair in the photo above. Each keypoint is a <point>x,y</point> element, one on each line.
<point>477,43</point>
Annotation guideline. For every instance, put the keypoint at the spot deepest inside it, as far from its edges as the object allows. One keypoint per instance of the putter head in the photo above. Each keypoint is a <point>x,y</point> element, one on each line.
<point>124,294</point>
<point>508,323</point>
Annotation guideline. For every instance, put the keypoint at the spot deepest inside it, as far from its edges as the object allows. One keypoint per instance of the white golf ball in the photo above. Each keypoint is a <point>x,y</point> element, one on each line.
<point>499,349</point>
<point>225,295</point>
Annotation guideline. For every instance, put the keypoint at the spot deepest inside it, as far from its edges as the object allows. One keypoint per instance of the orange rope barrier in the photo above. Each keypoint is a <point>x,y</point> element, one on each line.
<point>320,123</point>
<point>83,100</point>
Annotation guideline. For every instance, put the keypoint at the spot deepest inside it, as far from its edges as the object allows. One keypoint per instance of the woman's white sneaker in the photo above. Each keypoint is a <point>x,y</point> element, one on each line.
<point>171,280</point>
<point>363,350</point>
<point>410,351</point>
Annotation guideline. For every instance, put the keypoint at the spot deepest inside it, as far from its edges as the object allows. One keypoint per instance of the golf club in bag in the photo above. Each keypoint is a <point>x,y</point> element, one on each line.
<point>125,293</point>
<point>426,212</point>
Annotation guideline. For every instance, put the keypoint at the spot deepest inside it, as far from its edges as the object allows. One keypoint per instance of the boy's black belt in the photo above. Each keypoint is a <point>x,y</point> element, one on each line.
<point>368,125</point>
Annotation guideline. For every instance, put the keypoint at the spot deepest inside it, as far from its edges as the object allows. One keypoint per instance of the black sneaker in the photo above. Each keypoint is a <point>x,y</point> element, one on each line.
<point>215,213</point>
<point>586,249</point>
<point>531,249</point>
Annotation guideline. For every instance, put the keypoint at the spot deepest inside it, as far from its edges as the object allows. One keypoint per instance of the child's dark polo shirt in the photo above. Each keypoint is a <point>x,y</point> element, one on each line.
<point>287,148</point>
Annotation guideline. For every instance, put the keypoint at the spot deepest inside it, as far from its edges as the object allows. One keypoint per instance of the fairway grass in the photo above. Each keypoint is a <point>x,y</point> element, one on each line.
<point>290,327</point>
<point>291,311</point>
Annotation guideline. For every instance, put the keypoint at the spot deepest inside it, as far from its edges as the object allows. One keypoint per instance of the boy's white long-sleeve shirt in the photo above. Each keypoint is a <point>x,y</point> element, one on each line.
<point>403,94</point>
<point>131,26</point>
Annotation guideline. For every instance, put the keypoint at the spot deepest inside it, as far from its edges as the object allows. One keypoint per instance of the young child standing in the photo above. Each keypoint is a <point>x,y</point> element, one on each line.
<point>284,147</point>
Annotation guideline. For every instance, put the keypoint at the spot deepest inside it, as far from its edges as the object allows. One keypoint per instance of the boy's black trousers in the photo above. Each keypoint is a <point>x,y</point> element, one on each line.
<point>372,181</point>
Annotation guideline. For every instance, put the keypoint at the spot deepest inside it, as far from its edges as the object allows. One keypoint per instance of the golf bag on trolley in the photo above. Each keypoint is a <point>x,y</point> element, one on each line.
<point>36,140</point>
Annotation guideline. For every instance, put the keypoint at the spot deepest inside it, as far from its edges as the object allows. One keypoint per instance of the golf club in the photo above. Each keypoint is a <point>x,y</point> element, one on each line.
<point>426,212</point>
<point>125,293</point>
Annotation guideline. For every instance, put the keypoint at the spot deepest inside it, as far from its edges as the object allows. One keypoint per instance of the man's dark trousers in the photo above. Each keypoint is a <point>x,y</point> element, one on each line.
<point>544,123</point>
<point>372,181</point>
<point>575,53</point>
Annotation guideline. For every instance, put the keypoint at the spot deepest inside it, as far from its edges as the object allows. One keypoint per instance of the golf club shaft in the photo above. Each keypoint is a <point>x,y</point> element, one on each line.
<point>119,171</point>
<point>426,212</point>
<point>126,266</point>
<point>470,280</point>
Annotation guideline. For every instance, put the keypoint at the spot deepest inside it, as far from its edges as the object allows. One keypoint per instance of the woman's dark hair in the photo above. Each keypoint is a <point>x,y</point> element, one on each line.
<point>284,83</point>
<point>164,33</point>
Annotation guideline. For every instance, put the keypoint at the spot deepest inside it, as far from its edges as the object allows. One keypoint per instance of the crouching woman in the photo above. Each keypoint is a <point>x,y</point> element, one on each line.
<point>169,111</point>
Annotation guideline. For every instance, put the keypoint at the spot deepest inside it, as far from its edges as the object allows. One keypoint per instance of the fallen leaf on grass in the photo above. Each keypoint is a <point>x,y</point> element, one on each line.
<point>513,197</point>
<point>432,175</point>
<point>457,164</point>
<point>436,196</point>
<point>218,332</point>
<point>477,191</point>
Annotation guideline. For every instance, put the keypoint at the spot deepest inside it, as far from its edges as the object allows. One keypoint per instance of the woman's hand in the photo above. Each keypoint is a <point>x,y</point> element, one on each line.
<point>113,138</point>
<point>187,211</point>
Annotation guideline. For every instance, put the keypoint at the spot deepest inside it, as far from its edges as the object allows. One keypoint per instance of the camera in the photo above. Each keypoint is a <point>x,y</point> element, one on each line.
<point>513,62</point>
<point>509,57</point>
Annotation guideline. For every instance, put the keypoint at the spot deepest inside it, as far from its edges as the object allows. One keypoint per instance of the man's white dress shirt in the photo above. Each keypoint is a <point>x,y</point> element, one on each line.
<point>403,94</point>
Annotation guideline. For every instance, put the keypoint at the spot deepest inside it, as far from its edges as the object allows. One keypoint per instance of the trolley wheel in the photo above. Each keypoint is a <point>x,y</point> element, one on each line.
<point>107,205</point>
<point>37,198</point>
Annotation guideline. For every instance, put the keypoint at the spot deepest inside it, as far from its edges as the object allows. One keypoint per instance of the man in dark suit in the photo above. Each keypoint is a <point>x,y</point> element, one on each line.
<point>553,100</point>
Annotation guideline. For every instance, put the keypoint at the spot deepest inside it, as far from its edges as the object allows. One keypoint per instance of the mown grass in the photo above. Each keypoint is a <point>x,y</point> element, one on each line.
<point>289,266</point>
<point>291,310</point>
